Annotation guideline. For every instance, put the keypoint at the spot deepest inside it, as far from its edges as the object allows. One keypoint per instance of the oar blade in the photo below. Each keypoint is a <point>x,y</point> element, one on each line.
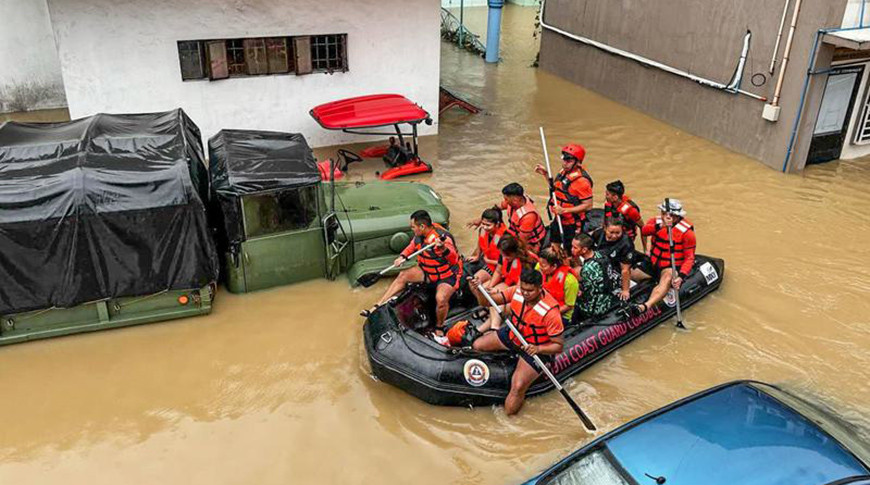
<point>587,423</point>
<point>368,279</point>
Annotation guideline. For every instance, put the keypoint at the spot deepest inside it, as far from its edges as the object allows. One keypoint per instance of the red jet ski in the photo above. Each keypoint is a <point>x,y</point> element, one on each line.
<point>359,115</point>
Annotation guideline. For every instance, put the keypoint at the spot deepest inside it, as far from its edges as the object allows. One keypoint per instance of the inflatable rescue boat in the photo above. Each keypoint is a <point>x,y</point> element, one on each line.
<point>402,354</point>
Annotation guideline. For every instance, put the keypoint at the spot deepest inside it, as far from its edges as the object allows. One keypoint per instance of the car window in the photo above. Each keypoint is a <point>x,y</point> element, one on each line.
<point>279,211</point>
<point>594,468</point>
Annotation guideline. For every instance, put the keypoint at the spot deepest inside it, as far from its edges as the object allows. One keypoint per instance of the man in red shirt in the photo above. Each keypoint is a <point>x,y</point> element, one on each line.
<point>439,266</point>
<point>658,263</point>
<point>536,315</point>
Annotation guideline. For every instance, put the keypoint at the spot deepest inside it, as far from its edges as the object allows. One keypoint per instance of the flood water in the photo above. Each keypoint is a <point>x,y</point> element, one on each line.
<point>273,387</point>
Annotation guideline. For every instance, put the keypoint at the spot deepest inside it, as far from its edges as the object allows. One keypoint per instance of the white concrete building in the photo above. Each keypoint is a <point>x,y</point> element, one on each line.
<point>30,76</point>
<point>251,64</point>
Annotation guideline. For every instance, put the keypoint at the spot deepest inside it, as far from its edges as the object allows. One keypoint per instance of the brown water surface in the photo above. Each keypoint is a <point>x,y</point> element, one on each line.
<point>273,387</point>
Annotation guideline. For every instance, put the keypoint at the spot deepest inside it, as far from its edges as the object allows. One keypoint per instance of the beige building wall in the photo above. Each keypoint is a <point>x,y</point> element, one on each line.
<point>703,37</point>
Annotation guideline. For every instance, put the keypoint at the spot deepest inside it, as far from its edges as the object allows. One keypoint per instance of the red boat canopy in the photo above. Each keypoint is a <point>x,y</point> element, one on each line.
<point>368,112</point>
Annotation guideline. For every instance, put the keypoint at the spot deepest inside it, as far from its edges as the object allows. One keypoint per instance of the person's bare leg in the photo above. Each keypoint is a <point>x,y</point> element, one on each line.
<point>524,376</point>
<point>492,322</point>
<point>638,275</point>
<point>488,342</point>
<point>410,275</point>
<point>482,276</point>
<point>661,289</point>
<point>442,303</point>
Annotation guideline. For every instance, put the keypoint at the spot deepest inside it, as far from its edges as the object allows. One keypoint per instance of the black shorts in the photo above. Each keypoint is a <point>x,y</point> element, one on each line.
<point>504,336</point>
<point>556,236</point>
<point>645,264</point>
<point>450,281</point>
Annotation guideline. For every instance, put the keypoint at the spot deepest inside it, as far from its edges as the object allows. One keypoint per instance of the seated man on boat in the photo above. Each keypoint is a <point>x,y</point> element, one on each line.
<point>524,221</point>
<point>559,280</point>
<point>611,240</point>
<point>658,263</point>
<point>439,265</point>
<point>535,314</point>
<point>484,260</point>
<point>596,280</point>
<point>573,189</point>
<point>618,204</point>
<point>514,256</point>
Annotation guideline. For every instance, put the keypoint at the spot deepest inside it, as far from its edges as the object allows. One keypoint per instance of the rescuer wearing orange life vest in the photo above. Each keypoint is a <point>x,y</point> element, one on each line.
<point>617,203</point>
<point>439,266</point>
<point>514,256</point>
<point>559,281</point>
<point>524,221</point>
<point>536,315</point>
<point>658,264</point>
<point>573,189</point>
<point>486,255</point>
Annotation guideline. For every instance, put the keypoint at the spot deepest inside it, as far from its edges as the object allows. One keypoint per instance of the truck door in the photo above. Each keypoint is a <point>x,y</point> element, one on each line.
<point>284,237</point>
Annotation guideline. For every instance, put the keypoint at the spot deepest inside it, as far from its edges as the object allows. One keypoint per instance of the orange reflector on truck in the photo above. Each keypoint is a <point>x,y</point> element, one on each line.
<point>183,299</point>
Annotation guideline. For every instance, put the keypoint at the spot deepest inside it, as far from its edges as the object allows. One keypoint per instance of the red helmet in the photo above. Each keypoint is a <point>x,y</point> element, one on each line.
<point>575,150</point>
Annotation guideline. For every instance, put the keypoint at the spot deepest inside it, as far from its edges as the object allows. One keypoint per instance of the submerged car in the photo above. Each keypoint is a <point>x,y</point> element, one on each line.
<point>739,433</point>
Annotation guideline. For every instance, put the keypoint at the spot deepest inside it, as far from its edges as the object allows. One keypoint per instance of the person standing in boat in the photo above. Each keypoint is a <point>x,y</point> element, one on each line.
<point>486,255</point>
<point>573,189</point>
<point>439,266</point>
<point>596,280</point>
<point>658,263</point>
<point>618,204</point>
<point>612,241</point>
<point>524,221</point>
<point>559,280</point>
<point>536,315</point>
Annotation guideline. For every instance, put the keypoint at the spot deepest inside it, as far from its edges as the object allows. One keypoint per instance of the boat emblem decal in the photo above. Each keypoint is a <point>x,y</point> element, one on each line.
<point>671,298</point>
<point>709,272</point>
<point>476,372</point>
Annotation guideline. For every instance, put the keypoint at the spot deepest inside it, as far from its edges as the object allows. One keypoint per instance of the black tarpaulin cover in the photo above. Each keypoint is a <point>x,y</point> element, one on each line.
<point>249,162</point>
<point>102,207</point>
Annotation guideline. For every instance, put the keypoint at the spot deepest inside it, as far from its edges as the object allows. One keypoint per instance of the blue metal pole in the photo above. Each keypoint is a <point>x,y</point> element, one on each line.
<point>861,21</point>
<point>493,30</point>
<point>461,22</point>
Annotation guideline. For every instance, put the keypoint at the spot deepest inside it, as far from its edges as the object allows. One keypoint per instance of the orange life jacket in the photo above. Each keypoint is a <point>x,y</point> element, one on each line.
<point>623,208</point>
<point>487,243</point>
<point>511,271</point>
<point>529,320</point>
<point>555,283</point>
<point>438,266</point>
<point>660,252</point>
<point>561,187</point>
<point>516,217</point>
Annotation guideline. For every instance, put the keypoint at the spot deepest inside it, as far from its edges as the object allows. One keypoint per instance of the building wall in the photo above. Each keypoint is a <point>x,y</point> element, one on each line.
<point>123,57</point>
<point>30,76</point>
<point>703,37</point>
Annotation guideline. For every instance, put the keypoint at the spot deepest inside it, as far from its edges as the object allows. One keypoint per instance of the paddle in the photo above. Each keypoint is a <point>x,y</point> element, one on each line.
<point>579,412</point>
<point>369,279</point>
<point>550,177</point>
<point>674,273</point>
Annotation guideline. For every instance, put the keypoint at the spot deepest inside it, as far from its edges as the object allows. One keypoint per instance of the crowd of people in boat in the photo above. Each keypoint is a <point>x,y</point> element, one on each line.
<point>548,277</point>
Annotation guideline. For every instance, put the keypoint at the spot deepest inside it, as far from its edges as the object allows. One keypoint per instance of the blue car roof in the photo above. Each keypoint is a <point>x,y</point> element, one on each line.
<point>736,435</point>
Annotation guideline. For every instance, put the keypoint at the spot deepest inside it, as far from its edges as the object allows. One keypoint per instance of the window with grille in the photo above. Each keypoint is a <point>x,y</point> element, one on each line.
<point>257,56</point>
<point>862,131</point>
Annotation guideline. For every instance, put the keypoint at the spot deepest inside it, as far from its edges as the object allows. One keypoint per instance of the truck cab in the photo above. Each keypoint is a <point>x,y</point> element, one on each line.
<point>277,222</point>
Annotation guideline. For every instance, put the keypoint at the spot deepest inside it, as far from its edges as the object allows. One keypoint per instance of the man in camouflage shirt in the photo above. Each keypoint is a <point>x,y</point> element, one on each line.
<point>597,281</point>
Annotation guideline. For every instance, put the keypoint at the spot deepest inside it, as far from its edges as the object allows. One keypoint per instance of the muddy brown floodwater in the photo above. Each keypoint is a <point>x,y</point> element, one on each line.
<point>273,387</point>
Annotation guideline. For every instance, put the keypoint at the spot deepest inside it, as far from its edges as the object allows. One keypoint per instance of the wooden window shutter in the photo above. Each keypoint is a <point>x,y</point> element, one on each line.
<point>255,56</point>
<point>302,49</point>
<point>217,59</point>
<point>276,53</point>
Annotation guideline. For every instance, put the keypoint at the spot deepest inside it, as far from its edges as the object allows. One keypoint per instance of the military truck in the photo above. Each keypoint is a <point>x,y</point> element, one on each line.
<point>103,224</point>
<point>278,222</point>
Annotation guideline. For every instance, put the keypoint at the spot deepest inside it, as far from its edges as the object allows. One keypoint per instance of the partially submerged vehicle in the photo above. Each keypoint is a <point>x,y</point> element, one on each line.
<point>401,354</point>
<point>103,224</point>
<point>278,222</point>
<point>744,432</point>
<point>360,114</point>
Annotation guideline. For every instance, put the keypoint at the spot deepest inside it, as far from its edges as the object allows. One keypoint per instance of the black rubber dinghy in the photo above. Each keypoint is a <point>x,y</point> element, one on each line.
<point>402,355</point>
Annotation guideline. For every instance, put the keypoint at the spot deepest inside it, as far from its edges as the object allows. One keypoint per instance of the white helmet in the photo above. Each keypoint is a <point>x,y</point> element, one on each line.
<point>672,206</point>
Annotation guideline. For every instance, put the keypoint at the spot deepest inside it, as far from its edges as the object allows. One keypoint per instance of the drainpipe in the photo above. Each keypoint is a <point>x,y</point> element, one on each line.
<point>493,28</point>
<point>778,37</point>
<point>771,111</point>
<point>800,109</point>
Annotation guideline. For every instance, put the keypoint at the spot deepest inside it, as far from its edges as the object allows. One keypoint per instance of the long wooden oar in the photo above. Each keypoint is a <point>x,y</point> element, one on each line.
<point>550,177</point>
<point>579,412</point>
<point>369,279</point>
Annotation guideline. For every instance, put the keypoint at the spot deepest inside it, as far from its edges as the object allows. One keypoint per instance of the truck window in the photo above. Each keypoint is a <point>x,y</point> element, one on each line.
<point>281,211</point>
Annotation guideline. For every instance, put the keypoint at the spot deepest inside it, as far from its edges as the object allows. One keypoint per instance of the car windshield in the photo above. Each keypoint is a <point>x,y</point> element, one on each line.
<point>595,468</point>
